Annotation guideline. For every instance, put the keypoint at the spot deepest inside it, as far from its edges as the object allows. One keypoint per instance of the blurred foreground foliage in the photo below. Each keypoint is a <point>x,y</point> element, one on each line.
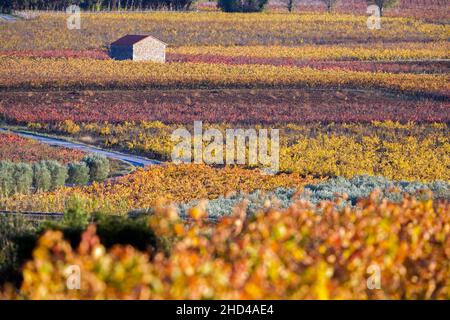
<point>303,252</point>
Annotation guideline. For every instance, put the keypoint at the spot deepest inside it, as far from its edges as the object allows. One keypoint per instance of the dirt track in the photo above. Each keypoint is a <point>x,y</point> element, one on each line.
<point>132,159</point>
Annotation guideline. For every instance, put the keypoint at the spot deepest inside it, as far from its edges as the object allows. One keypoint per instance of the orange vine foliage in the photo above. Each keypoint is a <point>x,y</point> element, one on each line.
<point>85,73</point>
<point>292,254</point>
<point>143,188</point>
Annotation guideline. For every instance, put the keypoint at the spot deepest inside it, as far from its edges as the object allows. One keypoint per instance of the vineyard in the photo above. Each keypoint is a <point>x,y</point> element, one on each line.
<point>363,148</point>
<point>397,151</point>
<point>318,255</point>
<point>48,31</point>
<point>249,106</point>
<point>144,188</point>
<point>18,149</point>
<point>29,73</point>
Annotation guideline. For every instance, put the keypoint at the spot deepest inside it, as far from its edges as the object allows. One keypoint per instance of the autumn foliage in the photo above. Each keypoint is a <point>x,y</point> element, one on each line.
<point>234,106</point>
<point>18,149</point>
<point>400,151</point>
<point>37,73</point>
<point>303,252</point>
<point>348,101</point>
<point>216,28</point>
<point>145,187</point>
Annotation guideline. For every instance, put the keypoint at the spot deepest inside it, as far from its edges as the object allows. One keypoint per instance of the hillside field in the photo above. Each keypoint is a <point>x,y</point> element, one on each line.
<point>362,155</point>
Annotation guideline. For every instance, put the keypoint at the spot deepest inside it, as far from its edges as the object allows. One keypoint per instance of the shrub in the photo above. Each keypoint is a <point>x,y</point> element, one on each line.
<point>75,215</point>
<point>78,173</point>
<point>58,174</point>
<point>23,177</point>
<point>12,227</point>
<point>122,230</point>
<point>70,127</point>
<point>358,187</point>
<point>98,167</point>
<point>242,5</point>
<point>18,237</point>
<point>42,179</point>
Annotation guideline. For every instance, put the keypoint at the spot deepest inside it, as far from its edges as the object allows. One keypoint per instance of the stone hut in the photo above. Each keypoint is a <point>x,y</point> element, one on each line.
<point>138,48</point>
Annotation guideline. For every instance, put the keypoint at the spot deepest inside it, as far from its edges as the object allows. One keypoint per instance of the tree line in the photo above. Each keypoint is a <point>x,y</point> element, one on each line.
<point>94,5</point>
<point>175,5</point>
<point>259,5</point>
<point>331,4</point>
<point>49,174</point>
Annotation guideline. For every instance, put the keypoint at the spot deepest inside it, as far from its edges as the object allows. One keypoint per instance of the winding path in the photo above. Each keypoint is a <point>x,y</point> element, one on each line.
<point>7,17</point>
<point>137,161</point>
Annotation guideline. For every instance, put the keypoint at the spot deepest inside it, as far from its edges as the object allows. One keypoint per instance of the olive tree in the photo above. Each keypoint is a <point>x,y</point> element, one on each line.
<point>78,173</point>
<point>58,173</point>
<point>42,179</point>
<point>6,178</point>
<point>98,167</point>
<point>23,177</point>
